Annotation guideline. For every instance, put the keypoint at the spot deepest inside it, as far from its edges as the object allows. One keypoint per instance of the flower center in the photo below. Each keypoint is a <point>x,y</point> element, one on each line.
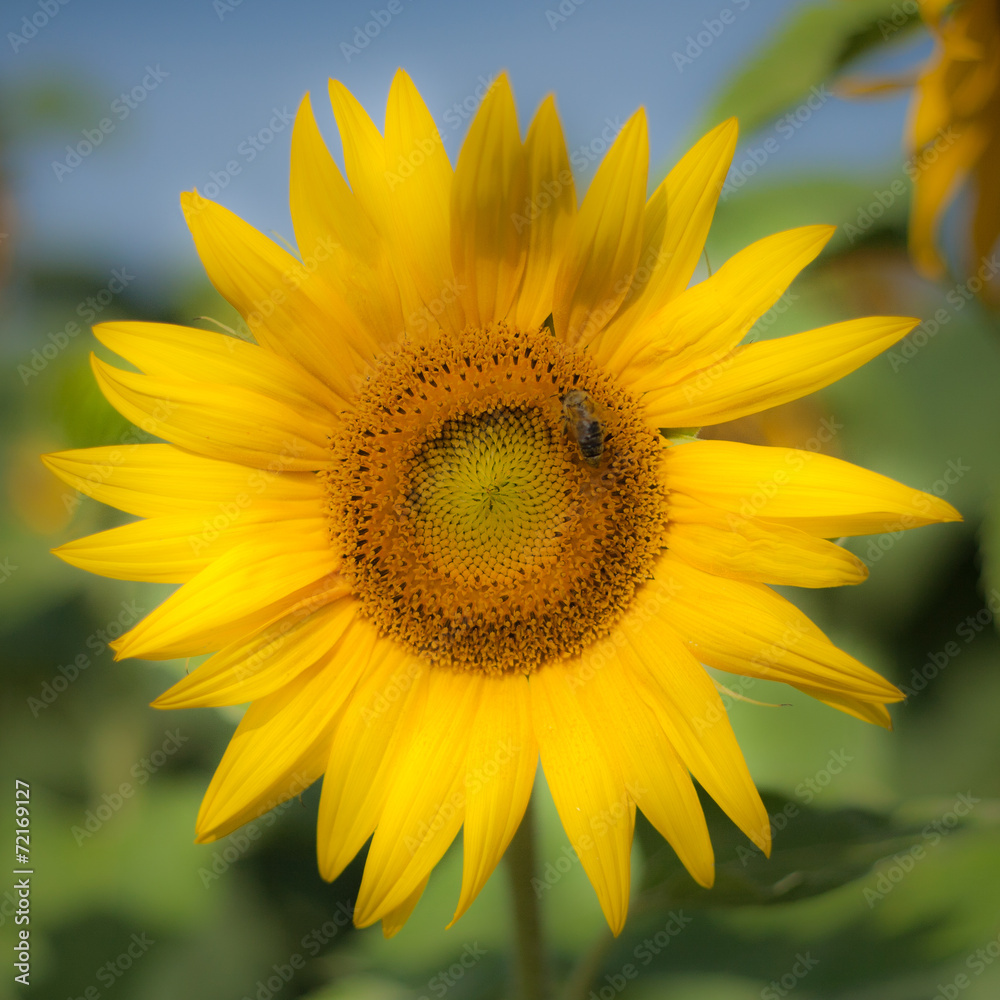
<point>496,498</point>
<point>488,497</point>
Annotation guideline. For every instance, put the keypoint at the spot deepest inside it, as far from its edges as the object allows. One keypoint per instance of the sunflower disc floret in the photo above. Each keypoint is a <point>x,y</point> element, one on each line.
<point>474,530</point>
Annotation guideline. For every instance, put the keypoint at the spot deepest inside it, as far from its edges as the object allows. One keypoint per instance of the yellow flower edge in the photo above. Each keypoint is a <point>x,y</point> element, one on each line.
<point>428,524</point>
<point>953,136</point>
<point>955,132</point>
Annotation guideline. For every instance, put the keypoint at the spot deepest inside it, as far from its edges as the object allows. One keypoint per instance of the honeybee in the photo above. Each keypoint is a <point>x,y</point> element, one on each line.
<point>583,418</point>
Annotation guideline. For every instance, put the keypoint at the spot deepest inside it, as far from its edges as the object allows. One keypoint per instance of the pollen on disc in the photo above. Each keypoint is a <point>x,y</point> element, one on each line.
<point>473,529</point>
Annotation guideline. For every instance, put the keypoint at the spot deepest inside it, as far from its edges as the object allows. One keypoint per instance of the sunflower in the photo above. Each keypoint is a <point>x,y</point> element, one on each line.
<point>954,131</point>
<point>429,526</point>
<point>956,105</point>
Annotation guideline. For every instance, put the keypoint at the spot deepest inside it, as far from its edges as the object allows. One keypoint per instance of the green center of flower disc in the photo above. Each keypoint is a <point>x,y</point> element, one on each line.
<point>488,498</point>
<point>474,529</point>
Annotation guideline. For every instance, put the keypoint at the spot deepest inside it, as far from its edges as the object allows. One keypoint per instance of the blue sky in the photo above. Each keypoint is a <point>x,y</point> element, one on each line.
<point>211,82</point>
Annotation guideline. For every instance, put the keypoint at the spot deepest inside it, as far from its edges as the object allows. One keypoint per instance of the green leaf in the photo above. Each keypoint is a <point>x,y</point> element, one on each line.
<point>805,52</point>
<point>814,851</point>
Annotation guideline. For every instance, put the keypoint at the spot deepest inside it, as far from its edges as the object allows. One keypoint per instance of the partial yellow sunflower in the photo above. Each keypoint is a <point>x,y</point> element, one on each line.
<point>953,133</point>
<point>429,525</point>
<point>955,129</point>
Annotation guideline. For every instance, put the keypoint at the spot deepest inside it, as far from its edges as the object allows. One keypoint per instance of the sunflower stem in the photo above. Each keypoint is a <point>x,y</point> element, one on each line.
<point>532,977</point>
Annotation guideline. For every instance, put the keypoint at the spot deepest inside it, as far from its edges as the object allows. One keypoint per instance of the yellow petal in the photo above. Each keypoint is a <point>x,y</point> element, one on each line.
<point>419,178</point>
<point>364,157</point>
<point>708,320</point>
<point>282,733</point>
<point>748,629</point>
<point>175,548</point>
<point>692,191</point>
<point>392,922</point>
<point>220,421</point>
<point>821,495</point>
<point>377,725</point>
<point>284,784</point>
<point>233,592</point>
<point>546,215</point>
<point>603,246</point>
<point>499,774</point>
<point>256,666</point>
<point>745,548</point>
<point>688,707</point>
<point>588,788</point>
<point>169,351</point>
<point>289,310</point>
<point>365,162</point>
<point>937,184</point>
<point>151,480</point>
<point>487,248</point>
<point>426,802</point>
<point>868,711</point>
<point>766,374</point>
<point>333,230</point>
<point>676,221</point>
<point>656,779</point>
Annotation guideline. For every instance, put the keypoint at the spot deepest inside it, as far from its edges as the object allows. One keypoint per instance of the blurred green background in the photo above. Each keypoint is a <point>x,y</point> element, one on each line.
<point>886,875</point>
